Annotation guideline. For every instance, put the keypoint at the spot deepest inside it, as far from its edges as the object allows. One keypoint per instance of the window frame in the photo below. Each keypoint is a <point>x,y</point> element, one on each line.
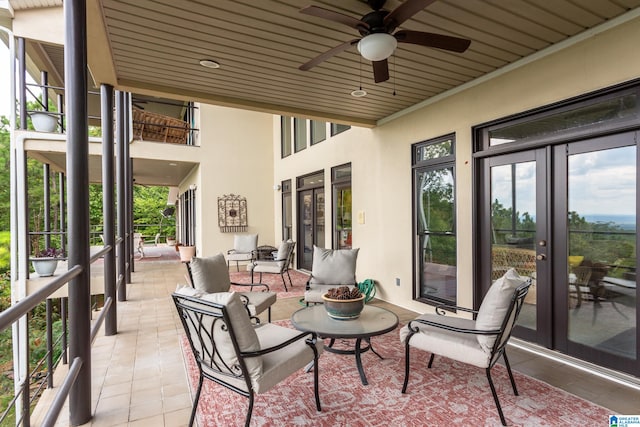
<point>285,137</point>
<point>419,166</point>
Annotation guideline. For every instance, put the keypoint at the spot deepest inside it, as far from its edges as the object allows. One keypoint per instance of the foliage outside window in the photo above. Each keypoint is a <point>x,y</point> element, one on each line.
<point>342,218</point>
<point>285,136</point>
<point>318,131</point>
<point>434,205</point>
<point>300,134</point>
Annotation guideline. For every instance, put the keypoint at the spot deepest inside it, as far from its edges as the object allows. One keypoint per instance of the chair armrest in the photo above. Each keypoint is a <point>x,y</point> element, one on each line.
<point>264,285</point>
<point>442,309</point>
<point>312,338</point>
<point>450,328</point>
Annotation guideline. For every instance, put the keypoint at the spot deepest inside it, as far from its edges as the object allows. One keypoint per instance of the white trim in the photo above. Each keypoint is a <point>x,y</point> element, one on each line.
<point>605,26</point>
<point>590,368</point>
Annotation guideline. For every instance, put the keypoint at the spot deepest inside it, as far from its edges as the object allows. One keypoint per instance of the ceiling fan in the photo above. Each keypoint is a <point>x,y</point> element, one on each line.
<point>378,40</point>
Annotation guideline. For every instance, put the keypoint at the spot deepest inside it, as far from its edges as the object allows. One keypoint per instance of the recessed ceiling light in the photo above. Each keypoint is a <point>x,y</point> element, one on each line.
<point>359,93</point>
<point>209,63</point>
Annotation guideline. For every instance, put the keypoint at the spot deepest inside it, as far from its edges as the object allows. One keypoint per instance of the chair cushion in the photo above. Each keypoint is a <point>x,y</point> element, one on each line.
<point>245,242</point>
<point>210,274</point>
<point>334,266</point>
<point>242,329</point>
<point>279,364</point>
<point>495,305</point>
<point>454,345</point>
<point>283,250</point>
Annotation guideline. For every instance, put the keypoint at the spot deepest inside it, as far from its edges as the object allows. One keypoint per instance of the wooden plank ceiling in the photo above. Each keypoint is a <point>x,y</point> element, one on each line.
<point>156,46</point>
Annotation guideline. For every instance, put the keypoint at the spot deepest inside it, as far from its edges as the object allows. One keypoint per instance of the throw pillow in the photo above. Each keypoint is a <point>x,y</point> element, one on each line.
<point>210,274</point>
<point>245,243</point>
<point>495,305</point>
<point>334,266</point>
<point>283,250</point>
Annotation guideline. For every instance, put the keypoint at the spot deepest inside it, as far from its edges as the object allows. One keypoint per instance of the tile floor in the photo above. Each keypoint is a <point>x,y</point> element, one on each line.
<point>139,377</point>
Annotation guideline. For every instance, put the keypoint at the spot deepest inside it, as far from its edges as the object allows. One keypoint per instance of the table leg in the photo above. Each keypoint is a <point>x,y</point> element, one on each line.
<point>359,362</point>
<point>372,349</point>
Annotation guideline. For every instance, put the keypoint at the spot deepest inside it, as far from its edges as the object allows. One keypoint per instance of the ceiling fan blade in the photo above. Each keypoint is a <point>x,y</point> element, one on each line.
<point>406,10</point>
<point>328,54</point>
<point>380,71</point>
<point>440,41</point>
<point>334,16</point>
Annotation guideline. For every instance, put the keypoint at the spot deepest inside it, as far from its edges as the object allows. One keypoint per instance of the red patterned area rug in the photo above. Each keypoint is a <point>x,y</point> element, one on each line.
<point>450,393</point>
<point>274,281</point>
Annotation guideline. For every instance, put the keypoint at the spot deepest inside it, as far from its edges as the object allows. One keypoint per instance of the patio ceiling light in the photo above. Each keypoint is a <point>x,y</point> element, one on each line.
<point>209,63</point>
<point>377,46</point>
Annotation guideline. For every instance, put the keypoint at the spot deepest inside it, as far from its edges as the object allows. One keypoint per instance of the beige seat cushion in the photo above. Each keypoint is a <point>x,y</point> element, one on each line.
<point>457,346</point>
<point>278,365</point>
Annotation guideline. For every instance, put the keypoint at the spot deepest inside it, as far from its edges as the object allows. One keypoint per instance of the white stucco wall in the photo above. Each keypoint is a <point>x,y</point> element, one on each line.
<point>236,157</point>
<point>381,157</point>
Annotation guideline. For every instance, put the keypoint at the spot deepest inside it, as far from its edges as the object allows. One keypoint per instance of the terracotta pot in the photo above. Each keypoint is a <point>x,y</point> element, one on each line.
<point>186,253</point>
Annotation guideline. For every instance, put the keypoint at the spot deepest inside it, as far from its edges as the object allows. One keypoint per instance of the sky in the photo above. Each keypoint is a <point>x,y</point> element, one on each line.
<point>5,104</point>
<point>600,183</point>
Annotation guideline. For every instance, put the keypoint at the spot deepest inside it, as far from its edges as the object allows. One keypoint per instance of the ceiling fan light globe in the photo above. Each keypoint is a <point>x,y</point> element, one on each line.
<point>377,47</point>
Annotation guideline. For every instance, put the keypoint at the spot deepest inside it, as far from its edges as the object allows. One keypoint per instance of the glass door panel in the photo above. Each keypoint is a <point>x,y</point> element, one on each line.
<point>310,225</point>
<point>513,228</point>
<point>343,223</point>
<point>601,243</point>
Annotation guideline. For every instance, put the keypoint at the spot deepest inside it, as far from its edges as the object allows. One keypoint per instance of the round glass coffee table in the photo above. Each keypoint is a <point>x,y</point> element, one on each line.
<point>372,321</point>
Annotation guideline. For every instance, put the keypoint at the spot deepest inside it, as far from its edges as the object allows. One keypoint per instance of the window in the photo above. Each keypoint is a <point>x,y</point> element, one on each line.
<point>285,136</point>
<point>338,128</point>
<point>187,218</point>
<point>342,216</point>
<point>300,134</point>
<point>287,213</point>
<point>434,213</point>
<point>318,131</point>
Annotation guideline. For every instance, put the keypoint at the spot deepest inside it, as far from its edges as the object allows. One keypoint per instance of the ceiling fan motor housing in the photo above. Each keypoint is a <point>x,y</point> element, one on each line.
<point>375,22</point>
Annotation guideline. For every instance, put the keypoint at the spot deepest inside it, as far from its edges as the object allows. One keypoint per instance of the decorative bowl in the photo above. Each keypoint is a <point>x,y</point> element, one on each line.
<point>343,309</point>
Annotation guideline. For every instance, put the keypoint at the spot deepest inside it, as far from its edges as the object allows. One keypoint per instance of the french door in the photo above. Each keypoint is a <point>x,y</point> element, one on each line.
<point>310,225</point>
<point>565,216</point>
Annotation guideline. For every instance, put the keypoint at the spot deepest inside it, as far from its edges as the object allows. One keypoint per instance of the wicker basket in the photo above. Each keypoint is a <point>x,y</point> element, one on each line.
<point>148,126</point>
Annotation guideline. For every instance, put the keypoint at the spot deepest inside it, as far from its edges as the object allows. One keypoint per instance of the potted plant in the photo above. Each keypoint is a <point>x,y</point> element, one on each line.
<point>343,303</point>
<point>44,121</point>
<point>171,240</point>
<point>46,261</point>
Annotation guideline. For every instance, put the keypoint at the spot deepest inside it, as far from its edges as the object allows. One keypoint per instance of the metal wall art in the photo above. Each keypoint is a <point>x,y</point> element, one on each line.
<point>232,213</point>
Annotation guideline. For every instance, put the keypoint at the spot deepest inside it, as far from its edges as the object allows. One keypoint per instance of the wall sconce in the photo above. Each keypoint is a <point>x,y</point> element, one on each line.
<point>276,187</point>
<point>193,187</point>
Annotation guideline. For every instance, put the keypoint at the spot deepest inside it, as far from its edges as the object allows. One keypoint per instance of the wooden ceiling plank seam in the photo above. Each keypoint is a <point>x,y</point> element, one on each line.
<point>570,12</point>
<point>514,21</point>
<point>487,24</point>
<point>543,17</point>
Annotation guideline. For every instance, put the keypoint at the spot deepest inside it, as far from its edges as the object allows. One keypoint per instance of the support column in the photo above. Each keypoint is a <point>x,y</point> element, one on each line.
<point>22,85</point>
<point>108,210</point>
<point>62,226</point>
<point>75,69</point>
<point>128,187</point>
<point>46,184</point>
<point>123,256</point>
